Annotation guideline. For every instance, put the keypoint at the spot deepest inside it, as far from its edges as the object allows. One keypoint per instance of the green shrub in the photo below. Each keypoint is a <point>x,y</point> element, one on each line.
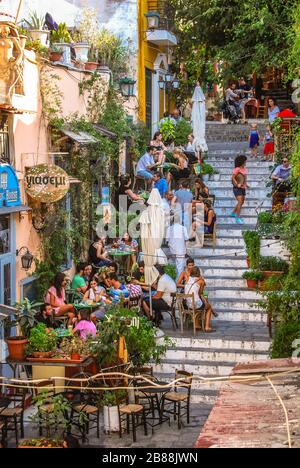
<point>182,131</point>
<point>273,264</point>
<point>285,335</point>
<point>253,275</point>
<point>170,270</point>
<point>265,217</point>
<point>252,241</point>
<point>40,340</point>
<point>207,169</point>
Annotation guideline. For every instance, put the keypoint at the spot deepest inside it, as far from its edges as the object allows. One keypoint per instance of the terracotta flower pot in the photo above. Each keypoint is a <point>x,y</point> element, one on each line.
<point>16,347</point>
<point>42,354</point>
<point>252,284</point>
<point>55,56</point>
<point>91,66</point>
<point>75,357</point>
<point>263,285</point>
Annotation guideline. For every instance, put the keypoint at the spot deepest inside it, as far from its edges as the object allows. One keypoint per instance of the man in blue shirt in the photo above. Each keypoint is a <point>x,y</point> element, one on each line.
<point>184,198</point>
<point>146,164</point>
<point>160,184</point>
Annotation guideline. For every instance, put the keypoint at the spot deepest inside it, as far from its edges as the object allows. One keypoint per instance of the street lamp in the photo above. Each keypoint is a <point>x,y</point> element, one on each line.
<point>26,259</point>
<point>152,20</point>
<point>127,87</point>
<point>169,83</point>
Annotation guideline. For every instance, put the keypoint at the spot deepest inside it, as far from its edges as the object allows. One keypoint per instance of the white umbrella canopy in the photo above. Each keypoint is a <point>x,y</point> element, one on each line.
<point>152,223</point>
<point>61,10</point>
<point>199,118</point>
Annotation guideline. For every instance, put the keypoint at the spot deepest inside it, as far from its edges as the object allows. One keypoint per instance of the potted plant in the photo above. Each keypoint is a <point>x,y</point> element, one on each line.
<point>92,63</point>
<point>36,24</point>
<point>23,320</point>
<point>253,277</point>
<point>182,130</point>
<point>252,241</point>
<point>168,130</point>
<point>41,343</point>
<point>62,39</point>
<point>41,444</point>
<point>273,269</point>
<point>207,171</point>
<point>75,347</point>
<point>111,400</point>
<point>82,51</point>
<point>55,53</point>
<point>216,176</point>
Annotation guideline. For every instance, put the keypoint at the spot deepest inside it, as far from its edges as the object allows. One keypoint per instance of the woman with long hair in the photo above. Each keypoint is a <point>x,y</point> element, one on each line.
<point>161,148</point>
<point>125,190</point>
<point>239,182</point>
<point>180,170</point>
<point>56,297</point>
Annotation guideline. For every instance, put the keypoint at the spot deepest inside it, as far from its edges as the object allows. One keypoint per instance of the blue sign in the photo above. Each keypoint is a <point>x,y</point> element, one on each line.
<point>9,187</point>
<point>105,195</point>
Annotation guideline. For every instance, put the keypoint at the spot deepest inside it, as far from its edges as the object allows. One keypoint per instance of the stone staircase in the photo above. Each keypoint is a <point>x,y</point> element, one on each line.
<point>242,333</point>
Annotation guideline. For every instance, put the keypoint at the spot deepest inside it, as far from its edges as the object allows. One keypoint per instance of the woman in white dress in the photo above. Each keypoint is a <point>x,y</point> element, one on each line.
<point>195,286</point>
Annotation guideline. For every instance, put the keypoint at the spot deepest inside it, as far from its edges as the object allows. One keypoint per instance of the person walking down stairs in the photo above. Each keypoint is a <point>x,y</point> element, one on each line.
<point>239,181</point>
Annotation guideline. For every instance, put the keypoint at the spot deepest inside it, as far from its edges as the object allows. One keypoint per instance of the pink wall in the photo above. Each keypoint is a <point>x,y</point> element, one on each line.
<point>29,140</point>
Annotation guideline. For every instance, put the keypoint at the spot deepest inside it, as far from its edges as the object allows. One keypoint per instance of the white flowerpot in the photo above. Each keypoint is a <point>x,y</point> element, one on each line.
<point>111,419</point>
<point>205,177</point>
<point>66,50</point>
<point>217,177</point>
<point>40,35</point>
<point>81,51</point>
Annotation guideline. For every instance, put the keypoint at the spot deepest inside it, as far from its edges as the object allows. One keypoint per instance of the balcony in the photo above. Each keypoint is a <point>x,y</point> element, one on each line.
<point>162,35</point>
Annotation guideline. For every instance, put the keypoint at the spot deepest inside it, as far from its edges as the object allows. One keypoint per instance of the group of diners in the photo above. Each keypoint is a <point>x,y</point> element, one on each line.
<point>104,288</point>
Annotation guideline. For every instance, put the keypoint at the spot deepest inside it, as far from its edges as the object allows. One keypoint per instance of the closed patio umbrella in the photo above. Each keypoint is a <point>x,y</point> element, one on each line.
<point>199,118</point>
<point>152,223</point>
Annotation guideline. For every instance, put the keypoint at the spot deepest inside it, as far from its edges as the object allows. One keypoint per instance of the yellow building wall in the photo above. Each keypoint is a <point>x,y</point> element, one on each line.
<point>147,54</point>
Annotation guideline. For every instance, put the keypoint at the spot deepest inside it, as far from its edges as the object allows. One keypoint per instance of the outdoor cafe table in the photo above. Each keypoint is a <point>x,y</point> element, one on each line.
<point>44,369</point>
<point>118,254</point>
<point>156,388</point>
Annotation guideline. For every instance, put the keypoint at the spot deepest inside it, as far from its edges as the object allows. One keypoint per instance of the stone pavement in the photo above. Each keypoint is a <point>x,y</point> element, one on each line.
<point>163,436</point>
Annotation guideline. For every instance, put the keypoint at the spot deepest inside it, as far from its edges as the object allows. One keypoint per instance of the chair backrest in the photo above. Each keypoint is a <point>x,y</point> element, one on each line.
<point>45,386</point>
<point>186,303</point>
<point>142,371</point>
<point>135,302</point>
<point>17,396</point>
<point>186,380</point>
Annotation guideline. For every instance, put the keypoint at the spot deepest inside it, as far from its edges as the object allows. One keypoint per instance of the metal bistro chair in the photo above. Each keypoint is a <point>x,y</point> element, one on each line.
<point>137,180</point>
<point>177,402</point>
<point>172,311</point>
<point>150,398</point>
<point>134,415</point>
<point>187,309</point>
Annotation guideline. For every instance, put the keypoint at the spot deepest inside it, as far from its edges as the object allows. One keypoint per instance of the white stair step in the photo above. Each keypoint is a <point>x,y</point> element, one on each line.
<point>234,282</point>
<point>214,355</point>
<point>234,294</point>
<point>227,304</point>
<point>233,341</point>
<point>221,262</point>
<point>217,251</point>
<point>228,192</point>
<point>228,184</point>
<point>226,211</point>
<point>201,368</point>
<point>226,272</point>
<point>239,316</point>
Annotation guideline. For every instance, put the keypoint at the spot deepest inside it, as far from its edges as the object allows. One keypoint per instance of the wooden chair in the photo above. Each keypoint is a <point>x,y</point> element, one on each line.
<point>212,237</point>
<point>13,415</point>
<point>172,311</point>
<point>187,308</point>
<point>137,179</point>
<point>177,402</point>
<point>143,395</point>
<point>89,406</point>
<point>131,414</point>
<point>46,410</point>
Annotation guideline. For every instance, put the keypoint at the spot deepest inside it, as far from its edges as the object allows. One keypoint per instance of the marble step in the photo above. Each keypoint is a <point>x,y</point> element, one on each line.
<point>215,354</point>
<point>242,315</point>
<point>249,203</point>
<point>198,367</point>
<point>229,262</point>
<point>218,161</point>
<point>253,179</point>
<point>227,192</point>
<point>225,281</point>
<point>228,184</point>
<point>227,210</point>
<point>203,391</point>
<point>216,292</point>
<point>228,220</point>
<point>227,303</point>
<point>222,271</point>
<point>229,335</point>
<point>217,251</point>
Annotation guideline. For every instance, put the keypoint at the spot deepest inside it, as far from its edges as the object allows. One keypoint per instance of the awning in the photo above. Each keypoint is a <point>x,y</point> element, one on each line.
<point>14,209</point>
<point>105,132</point>
<point>82,138</point>
<point>6,311</point>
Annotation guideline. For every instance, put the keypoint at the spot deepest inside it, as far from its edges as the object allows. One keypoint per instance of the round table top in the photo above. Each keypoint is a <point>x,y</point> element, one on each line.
<point>153,388</point>
<point>120,253</point>
<point>86,305</point>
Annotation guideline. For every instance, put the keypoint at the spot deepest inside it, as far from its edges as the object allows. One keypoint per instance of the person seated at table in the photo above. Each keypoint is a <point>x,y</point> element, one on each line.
<point>191,146</point>
<point>85,327</point>
<point>45,316</point>
<point>162,300</point>
<point>195,286</point>
<point>113,268</point>
<point>139,277</point>
<point>103,279</point>
<point>88,272</point>
<point>128,242</point>
<point>125,190</point>
<point>210,218</point>
<point>181,169</point>
<point>201,191</point>
<point>118,291</point>
<point>96,293</point>
<point>186,273</point>
<point>159,145</point>
<point>135,290</point>
<point>147,164</point>
<point>160,183</point>
<point>56,297</point>
<point>97,253</point>
<point>79,284</point>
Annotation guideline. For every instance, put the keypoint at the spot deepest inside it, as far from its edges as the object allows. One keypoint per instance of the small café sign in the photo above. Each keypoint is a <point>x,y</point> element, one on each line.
<point>47,183</point>
<point>9,187</point>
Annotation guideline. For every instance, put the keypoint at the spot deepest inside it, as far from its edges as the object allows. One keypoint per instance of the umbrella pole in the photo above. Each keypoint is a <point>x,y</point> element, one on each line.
<point>150,300</point>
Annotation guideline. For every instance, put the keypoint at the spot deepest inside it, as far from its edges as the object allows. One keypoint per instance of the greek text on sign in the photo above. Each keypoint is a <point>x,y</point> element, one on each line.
<point>47,183</point>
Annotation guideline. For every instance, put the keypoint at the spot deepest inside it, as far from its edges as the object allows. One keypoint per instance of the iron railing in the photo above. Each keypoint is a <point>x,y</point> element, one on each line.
<point>4,144</point>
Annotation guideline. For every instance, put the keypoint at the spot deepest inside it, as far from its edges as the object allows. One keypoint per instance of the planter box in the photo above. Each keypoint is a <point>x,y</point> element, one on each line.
<point>81,51</point>
<point>263,285</point>
<point>40,35</point>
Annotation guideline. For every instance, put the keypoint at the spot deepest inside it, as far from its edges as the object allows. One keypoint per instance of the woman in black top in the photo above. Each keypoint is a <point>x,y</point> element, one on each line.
<point>201,191</point>
<point>125,190</point>
<point>97,254</point>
